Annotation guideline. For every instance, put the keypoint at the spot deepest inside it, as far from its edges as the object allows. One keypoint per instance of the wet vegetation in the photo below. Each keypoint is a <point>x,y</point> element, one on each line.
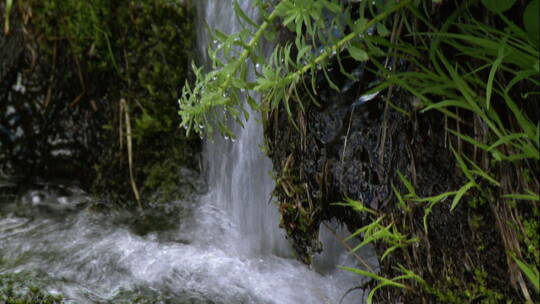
<point>90,90</point>
<point>25,288</point>
<point>31,288</point>
<point>415,123</point>
<point>88,94</point>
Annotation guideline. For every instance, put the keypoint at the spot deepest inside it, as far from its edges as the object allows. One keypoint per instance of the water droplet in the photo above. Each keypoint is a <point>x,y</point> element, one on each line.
<point>19,87</point>
<point>365,98</point>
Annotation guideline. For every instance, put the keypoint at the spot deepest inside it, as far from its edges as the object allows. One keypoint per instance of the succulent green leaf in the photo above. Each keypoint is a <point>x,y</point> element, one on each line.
<point>530,20</point>
<point>357,53</point>
<point>333,7</point>
<point>382,30</point>
<point>240,13</point>
<point>498,6</point>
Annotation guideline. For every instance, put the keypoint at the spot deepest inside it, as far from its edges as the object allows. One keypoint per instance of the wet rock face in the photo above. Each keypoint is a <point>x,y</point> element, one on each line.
<point>70,81</point>
<point>49,124</point>
<point>352,150</point>
<point>351,146</point>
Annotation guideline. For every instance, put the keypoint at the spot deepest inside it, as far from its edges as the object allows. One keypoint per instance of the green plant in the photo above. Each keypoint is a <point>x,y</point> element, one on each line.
<point>384,282</point>
<point>25,288</point>
<point>7,13</point>
<point>530,271</point>
<point>489,77</point>
<point>126,59</point>
<point>375,232</point>
<point>481,75</point>
<point>279,78</point>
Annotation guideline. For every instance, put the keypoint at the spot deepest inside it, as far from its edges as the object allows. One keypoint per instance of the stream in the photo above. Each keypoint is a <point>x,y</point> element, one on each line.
<point>222,245</point>
<point>185,254</point>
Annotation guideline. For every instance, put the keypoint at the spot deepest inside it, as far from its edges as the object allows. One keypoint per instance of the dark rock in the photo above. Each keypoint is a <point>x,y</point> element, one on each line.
<point>350,149</point>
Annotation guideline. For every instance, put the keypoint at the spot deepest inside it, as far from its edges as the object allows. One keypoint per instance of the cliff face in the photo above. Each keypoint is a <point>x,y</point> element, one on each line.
<point>87,86</point>
<point>352,146</point>
<point>50,120</point>
<point>355,146</point>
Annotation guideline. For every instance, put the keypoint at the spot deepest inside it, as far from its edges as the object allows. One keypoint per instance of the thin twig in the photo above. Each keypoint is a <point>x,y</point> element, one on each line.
<point>396,31</point>
<point>130,152</point>
<point>345,147</point>
<point>81,81</point>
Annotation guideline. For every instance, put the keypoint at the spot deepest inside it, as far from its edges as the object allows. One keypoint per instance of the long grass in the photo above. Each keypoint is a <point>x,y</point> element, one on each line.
<point>480,74</point>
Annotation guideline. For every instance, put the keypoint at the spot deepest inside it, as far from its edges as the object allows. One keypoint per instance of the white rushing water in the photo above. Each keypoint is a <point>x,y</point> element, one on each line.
<point>240,188</point>
<point>220,247</point>
<point>174,256</point>
<point>238,172</point>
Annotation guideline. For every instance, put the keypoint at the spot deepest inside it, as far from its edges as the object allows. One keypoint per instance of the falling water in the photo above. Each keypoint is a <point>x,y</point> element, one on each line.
<point>223,246</point>
<point>238,172</point>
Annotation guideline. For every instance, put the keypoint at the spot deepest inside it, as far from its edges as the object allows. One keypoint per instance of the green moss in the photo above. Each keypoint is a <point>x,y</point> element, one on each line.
<point>137,51</point>
<point>25,288</point>
<point>476,222</point>
<point>300,215</point>
<point>139,296</point>
<point>531,237</point>
<point>452,290</point>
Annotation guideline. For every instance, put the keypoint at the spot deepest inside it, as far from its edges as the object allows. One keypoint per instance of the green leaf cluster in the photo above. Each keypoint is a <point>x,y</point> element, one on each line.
<point>375,232</point>
<point>322,29</point>
<point>136,51</point>
<point>25,288</point>
<point>481,77</point>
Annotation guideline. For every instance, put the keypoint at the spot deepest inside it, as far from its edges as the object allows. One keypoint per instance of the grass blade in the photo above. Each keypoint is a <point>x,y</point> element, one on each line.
<point>460,194</point>
<point>496,64</point>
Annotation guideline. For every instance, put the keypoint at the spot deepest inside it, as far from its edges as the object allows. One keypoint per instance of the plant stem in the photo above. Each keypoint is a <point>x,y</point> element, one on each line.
<point>336,47</point>
<point>249,47</point>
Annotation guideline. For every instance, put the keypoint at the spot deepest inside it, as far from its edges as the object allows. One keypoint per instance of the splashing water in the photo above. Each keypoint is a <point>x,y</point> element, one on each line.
<point>223,246</point>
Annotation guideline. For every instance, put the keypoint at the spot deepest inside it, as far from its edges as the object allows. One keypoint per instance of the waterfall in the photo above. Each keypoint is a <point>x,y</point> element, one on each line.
<point>220,247</point>
<point>238,172</point>
<point>240,185</point>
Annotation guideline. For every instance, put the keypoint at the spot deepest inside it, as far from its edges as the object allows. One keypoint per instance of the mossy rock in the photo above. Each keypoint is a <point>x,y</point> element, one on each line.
<point>78,61</point>
<point>25,288</point>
